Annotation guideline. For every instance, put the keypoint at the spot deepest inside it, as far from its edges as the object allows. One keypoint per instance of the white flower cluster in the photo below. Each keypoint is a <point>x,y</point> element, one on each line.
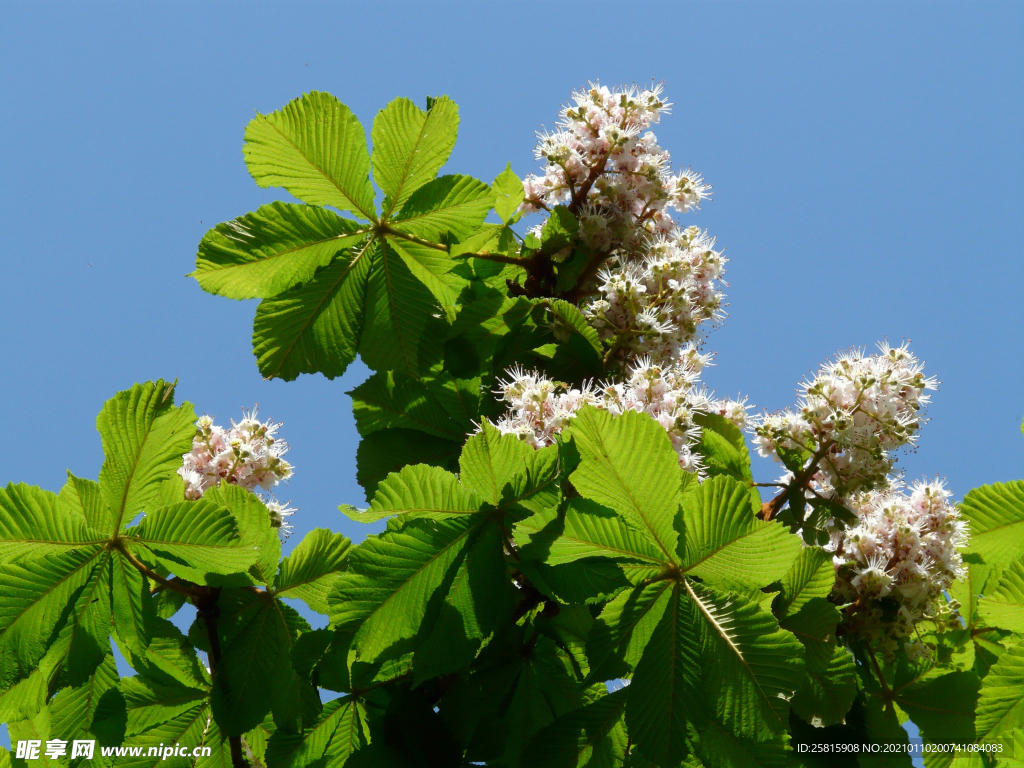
<point>903,547</point>
<point>853,415</point>
<point>247,455</point>
<point>540,408</point>
<point>654,306</point>
<point>601,146</point>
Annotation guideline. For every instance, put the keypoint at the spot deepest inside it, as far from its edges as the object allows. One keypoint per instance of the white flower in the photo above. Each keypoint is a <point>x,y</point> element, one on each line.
<point>857,411</point>
<point>539,408</point>
<point>904,546</point>
<point>248,454</point>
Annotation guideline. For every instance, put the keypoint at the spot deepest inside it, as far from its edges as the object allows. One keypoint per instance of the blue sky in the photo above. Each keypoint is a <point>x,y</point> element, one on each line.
<point>866,161</point>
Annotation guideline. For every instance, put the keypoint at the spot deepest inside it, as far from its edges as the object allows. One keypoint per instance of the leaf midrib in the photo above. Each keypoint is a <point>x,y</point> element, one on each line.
<point>316,310</point>
<point>331,181</point>
<point>739,654</point>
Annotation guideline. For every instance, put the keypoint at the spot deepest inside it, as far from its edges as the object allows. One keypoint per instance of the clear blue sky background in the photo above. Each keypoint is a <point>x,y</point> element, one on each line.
<point>866,161</point>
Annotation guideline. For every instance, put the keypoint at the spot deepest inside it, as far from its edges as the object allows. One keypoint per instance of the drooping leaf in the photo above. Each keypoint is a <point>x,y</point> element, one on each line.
<point>491,460</point>
<point>195,538</point>
<point>941,705</point>
<point>389,400</point>
<point>410,146</point>
<point>592,736</point>
<point>389,450</point>
<point>277,247</point>
<point>89,623</point>
<point>144,437</point>
<point>132,605</point>
<point>337,733</point>
<point>314,327</point>
<point>421,491</point>
<point>35,599</point>
<point>1001,702</point>
<point>73,709</point>
<point>996,516</point>
<point>398,306</point>
<point>454,205</point>
<point>34,523</point>
<point>628,464</point>
<point>624,627</point>
<point>1004,607</point>
<point>750,667</point>
<point>665,684</point>
<point>392,577</point>
<point>469,612</point>
<point>726,545</point>
<point>310,570</point>
<point>827,694</point>
<point>433,268</point>
<point>586,529</point>
<point>811,575</point>
<point>316,149</point>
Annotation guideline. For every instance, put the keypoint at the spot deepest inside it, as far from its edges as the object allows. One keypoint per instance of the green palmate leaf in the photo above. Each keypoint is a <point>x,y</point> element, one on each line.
<point>255,663</point>
<point>27,697</point>
<point>882,727</point>
<point>89,623</point>
<point>73,709</point>
<point>718,747</point>
<point>132,605</point>
<point>560,229</point>
<point>310,570</point>
<point>460,397</point>
<point>143,436</point>
<point>491,461</point>
<point>829,690</point>
<point>433,268</point>
<point>159,714</point>
<point>33,523</point>
<point>628,464</point>
<point>35,600</point>
<point>389,400</point>
<point>508,191</point>
<point>469,612</point>
<point>1001,703</point>
<point>621,632</point>
<point>585,529</point>
<point>37,729</point>
<point>454,205</point>
<point>996,516</point>
<point>544,690</point>
<point>391,578</point>
<point>569,325</point>
<point>314,327</point>
<point>726,545</point>
<point>150,702</point>
<point>941,705</point>
<point>388,450</point>
<point>410,146</point>
<point>316,149</point>
<point>169,657</point>
<point>592,736</point>
<point>84,497</point>
<point>665,684</point>
<point>1004,607</point>
<point>750,668</point>
<point>337,734</point>
<point>398,306</point>
<point>264,253</point>
<point>421,491</point>
<point>195,538</point>
<point>812,575</point>
<point>254,529</point>
<point>830,687</point>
